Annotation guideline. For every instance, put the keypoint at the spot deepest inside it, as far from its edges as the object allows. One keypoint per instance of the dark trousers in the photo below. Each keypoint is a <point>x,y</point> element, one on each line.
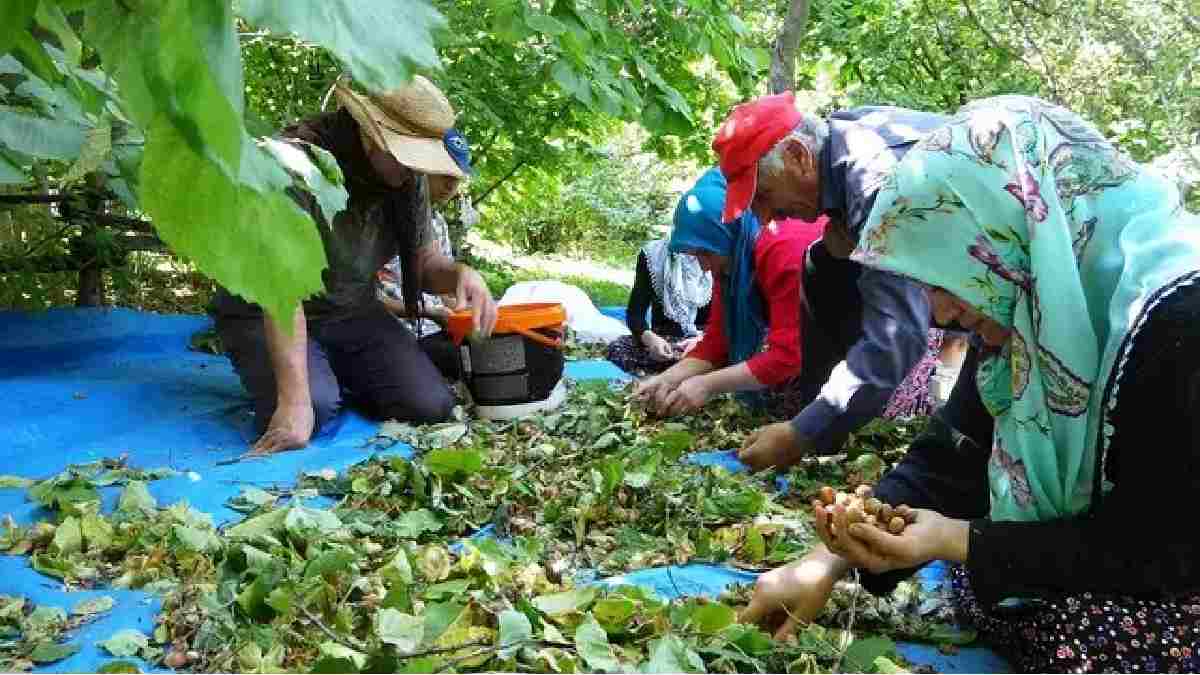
<point>372,361</point>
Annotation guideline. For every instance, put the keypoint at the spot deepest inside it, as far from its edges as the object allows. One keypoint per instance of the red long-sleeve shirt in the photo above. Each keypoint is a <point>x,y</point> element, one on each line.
<point>778,273</point>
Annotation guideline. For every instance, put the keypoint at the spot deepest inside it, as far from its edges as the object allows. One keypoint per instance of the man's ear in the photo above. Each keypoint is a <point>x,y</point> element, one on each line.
<point>798,153</point>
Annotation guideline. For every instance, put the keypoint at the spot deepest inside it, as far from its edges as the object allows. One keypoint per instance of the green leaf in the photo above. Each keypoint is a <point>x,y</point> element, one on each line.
<point>861,654</point>
<point>515,629</point>
<point>310,524</point>
<point>713,617</point>
<point>266,524</point>
<point>350,30</point>
<point>454,461</point>
<point>136,498</point>
<point>403,631</point>
<point>55,566</point>
<point>196,540</point>
<point>450,589</point>
<point>97,605</point>
<point>669,654</point>
<point>33,55</point>
<point>334,666</point>
<point>398,570</point>
<point>50,16</point>
<point>544,23</point>
<point>253,598</point>
<point>17,15</point>
<point>575,600</point>
<point>97,144</point>
<point>40,137</point>
<point>439,617</point>
<point>119,667</point>
<point>564,74</point>
<point>334,650</point>
<point>614,613</point>
<point>97,532</point>
<point>205,216</point>
<point>883,664</point>
<point>592,644</point>
<point>49,652</point>
<point>750,639</point>
<point>330,562</point>
<point>413,524</point>
<point>68,538</point>
<point>126,642</point>
<point>323,179</point>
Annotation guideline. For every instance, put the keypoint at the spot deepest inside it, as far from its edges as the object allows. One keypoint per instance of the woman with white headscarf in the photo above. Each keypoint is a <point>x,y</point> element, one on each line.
<point>678,294</point>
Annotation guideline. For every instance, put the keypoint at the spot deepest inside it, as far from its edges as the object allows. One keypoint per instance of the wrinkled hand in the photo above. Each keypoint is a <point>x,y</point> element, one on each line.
<point>659,348</point>
<point>439,314</point>
<point>647,391</point>
<point>931,537</point>
<point>691,394</point>
<point>473,292</point>
<point>291,427</point>
<point>793,594</point>
<point>775,445</point>
<point>688,344</point>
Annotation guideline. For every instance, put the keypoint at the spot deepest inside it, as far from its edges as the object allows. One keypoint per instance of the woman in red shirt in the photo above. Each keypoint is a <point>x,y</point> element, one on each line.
<point>753,341</point>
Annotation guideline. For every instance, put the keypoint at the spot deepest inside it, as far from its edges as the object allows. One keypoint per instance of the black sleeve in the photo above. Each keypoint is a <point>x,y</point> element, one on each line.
<point>639,300</point>
<point>1140,539</point>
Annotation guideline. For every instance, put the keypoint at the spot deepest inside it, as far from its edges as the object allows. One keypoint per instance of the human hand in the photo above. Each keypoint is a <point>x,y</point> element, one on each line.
<point>659,348</point>
<point>689,344</point>
<point>795,593</point>
<point>775,445</point>
<point>473,292</point>
<point>439,314</point>
<point>691,394</point>
<point>291,427</point>
<point>647,390</point>
<point>931,536</point>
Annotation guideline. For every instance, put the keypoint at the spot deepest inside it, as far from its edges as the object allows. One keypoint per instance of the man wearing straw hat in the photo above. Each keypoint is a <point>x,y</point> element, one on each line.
<point>395,151</point>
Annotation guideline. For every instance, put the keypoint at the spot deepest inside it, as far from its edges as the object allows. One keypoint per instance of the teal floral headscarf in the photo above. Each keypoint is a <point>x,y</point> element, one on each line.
<point>1027,213</point>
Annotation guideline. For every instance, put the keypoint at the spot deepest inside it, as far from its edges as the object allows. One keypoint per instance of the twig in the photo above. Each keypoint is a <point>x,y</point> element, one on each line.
<point>340,639</point>
<point>837,667</point>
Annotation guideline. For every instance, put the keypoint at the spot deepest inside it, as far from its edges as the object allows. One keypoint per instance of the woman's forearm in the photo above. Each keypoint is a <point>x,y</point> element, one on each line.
<point>732,378</point>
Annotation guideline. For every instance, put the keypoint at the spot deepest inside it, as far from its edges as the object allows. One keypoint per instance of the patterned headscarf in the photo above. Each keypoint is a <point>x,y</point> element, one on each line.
<point>679,283</point>
<point>1026,212</point>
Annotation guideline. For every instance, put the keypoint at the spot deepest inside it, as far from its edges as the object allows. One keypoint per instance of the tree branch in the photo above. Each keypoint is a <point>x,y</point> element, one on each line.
<point>986,33</point>
<point>783,52</point>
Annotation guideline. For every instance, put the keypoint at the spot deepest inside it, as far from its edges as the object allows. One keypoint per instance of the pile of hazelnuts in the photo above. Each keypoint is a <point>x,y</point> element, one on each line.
<point>863,507</point>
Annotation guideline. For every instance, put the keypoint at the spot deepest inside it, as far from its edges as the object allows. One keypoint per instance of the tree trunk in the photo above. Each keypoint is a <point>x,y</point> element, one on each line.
<point>783,54</point>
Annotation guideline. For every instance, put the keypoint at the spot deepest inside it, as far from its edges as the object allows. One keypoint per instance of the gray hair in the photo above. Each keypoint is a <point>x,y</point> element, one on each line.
<point>811,132</point>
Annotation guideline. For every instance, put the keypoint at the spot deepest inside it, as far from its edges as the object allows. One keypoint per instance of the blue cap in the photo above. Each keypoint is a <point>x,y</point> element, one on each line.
<point>459,150</point>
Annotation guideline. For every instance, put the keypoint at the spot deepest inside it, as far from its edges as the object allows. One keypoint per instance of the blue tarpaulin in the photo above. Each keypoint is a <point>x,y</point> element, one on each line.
<point>78,385</point>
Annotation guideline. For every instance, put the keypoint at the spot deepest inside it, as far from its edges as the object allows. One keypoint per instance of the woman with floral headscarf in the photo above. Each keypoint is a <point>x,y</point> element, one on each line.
<point>752,342</point>
<point>677,294</point>
<point>1070,492</point>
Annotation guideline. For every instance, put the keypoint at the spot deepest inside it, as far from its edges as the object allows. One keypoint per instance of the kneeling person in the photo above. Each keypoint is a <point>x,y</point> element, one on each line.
<point>344,341</point>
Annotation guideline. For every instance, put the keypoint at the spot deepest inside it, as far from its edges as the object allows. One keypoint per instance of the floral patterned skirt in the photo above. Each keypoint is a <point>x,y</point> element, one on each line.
<point>914,397</point>
<point>635,359</point>
<point>1088,633</point>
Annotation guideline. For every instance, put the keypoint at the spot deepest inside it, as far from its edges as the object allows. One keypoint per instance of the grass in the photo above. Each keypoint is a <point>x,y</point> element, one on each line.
<point>500,276</point>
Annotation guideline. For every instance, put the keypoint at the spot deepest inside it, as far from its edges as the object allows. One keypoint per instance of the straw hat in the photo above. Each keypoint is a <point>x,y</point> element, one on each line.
<point>411,122</point>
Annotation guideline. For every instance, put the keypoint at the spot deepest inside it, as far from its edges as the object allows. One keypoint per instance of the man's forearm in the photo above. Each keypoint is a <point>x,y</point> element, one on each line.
<point>289,359</point>
<point>737,377</point>
<point>439,273</point>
